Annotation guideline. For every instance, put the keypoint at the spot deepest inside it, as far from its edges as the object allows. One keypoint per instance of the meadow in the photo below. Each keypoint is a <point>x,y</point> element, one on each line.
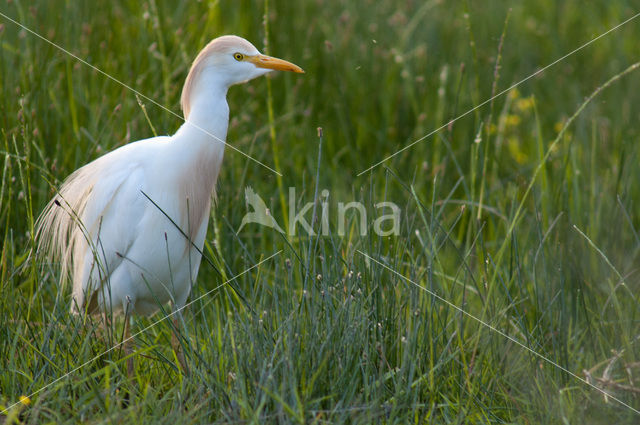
<point>509,294</point>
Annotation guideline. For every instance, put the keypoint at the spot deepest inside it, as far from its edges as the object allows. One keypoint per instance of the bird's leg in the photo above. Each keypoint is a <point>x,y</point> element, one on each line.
<point>175,344</point>
<point>127,343</point>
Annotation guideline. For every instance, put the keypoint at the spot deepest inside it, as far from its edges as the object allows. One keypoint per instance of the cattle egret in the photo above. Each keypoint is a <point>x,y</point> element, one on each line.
<point>113,223</point>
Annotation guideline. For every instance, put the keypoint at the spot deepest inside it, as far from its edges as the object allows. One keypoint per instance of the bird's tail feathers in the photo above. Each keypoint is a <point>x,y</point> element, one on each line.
<point>59,232</point>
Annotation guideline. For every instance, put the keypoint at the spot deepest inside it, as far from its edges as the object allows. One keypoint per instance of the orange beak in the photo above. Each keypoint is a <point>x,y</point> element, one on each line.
<point>269,62</point>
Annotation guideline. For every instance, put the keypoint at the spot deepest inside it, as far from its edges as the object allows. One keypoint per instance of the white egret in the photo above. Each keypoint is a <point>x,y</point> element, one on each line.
<point>122,252</point>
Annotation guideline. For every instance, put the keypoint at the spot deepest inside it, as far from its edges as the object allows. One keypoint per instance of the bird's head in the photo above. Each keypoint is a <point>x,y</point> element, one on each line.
<point>226,61</point>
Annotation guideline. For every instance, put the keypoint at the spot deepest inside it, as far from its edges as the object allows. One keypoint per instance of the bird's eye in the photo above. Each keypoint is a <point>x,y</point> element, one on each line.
<point>238,56</point>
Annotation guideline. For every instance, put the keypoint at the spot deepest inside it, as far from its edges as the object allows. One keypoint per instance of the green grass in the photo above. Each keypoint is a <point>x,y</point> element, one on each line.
<point>520,213</point>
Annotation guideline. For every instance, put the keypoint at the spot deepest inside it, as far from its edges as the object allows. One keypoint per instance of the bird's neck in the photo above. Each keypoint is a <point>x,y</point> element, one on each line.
<point>208,118</point>
<point>199,143</point>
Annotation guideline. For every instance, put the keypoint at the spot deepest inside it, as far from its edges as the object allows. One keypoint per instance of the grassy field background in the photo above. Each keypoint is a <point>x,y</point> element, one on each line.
<point>521,213</point>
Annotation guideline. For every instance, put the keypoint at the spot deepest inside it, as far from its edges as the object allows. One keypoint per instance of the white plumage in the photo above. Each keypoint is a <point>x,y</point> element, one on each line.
<point>119,250</point>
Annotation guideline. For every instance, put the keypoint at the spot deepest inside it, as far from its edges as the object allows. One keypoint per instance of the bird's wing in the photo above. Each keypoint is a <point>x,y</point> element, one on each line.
<point>249,194</point>
<point>93,216</point>
<point>255,201</point>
